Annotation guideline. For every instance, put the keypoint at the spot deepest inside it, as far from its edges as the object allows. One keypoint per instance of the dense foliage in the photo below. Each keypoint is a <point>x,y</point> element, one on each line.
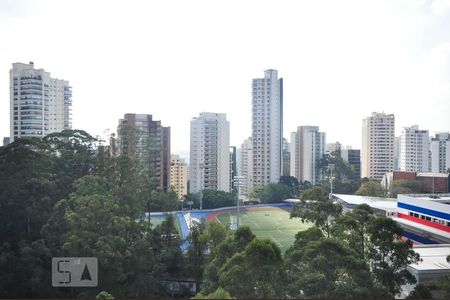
<point>60,196</point>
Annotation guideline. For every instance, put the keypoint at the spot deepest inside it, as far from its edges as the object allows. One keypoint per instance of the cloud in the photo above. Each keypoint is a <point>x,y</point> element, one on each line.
<point>10,9</point>
<point>440,7</point>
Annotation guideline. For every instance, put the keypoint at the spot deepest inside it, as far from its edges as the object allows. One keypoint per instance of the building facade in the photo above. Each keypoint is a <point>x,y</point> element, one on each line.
<point>233,167</point>
<point>5,140</point>
<point>427,182</point>
<point>179,174</point>
<point>209,153</point>
<point>425,218</point>
<point>286,158</point>
<point>397,149</point>
<point>377,153</point>
<point>440,152</point>
<point>267,128</point>
<point>334,147</point>
<point>353,157</point>
<point>307,149</point>
<point>414,150</point>
<point>148,142</point>
<point>246,167</point>
<point>39,104</point>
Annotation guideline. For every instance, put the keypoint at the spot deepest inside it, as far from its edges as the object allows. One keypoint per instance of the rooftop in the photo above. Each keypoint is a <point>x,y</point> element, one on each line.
<point>386,204</point>
<point>437,197</point>
<point>431,174</point>
<point>434,257</point>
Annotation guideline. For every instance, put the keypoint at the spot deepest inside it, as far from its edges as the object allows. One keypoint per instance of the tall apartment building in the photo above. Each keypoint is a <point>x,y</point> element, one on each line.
<point>246,167</point>
<point>146,140</point>
<point>353,157</point>
<point>39,104</point>
<point>334,147</point>
<point>397,150</point>
<point>5,140</point>
<point>267,128</point>
<point>440,152</point>
<point>377,153</point>
<point>233,167</point>
<point>179,174</point>
<point>414,149</point>
<point>209,156</point>
<point>286,157</point>
<point>307,148</point>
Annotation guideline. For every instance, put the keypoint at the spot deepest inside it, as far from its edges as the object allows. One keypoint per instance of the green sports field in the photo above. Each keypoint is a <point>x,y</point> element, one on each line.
<point>271,223</point>
<point>158,221</point>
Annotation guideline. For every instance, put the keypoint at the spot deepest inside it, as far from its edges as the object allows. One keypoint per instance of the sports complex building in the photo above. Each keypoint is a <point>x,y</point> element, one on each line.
<point>425,218</point>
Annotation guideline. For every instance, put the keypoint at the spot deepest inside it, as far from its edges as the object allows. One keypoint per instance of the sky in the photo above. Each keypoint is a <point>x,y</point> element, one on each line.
<point>340,60</point>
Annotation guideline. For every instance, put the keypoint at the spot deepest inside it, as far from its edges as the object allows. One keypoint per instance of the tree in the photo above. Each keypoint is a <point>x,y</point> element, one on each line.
<point>34,175</point>
<point>158,200</point>
<point>104,295</point>
<point>341,168</point>
<point>371,188</point>
<point>274,192</point>
<point>317,208</point>
<point>221,253</point>
<point>131,258</point>
<point>220,293</point>
<point>420,292</point>
<point>216,233</point>
<point>212,199</point>
<point>353,229</point>
<point>345,180</point>
<point>256,272</point>
<point>255,192</point>
<point>195,257</point>
<point>320,267</point>
<point>389,256</point>
<point>293,185</point>
<point>402,186</point>
<point>76,152</point>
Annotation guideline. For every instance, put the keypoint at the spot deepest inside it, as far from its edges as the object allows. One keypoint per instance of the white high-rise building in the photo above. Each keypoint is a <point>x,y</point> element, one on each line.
<point>307,148</point>
<point>397,148</point>
<point>267,128</point>
<point>377,153</point>
<point>39,104</point>
<point>440,152</point>
<point>210,156</point>
<point>246,167</point>
<point>414,148</point>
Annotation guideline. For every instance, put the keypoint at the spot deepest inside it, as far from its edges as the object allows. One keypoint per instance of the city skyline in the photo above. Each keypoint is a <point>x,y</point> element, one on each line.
<point>395,67</point>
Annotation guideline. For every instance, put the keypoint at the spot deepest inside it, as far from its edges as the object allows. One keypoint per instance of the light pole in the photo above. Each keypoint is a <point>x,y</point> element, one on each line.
<point>237,182</point>
<point>331,181</point>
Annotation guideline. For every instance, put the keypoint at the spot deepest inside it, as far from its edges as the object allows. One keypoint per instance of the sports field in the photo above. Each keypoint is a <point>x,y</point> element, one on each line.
<point>273,223</point>
<point>155,221</point>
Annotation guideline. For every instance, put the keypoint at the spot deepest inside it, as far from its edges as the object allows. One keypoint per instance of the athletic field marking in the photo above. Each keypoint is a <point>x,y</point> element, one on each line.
<point>276,241</point>
<point>257,225</point>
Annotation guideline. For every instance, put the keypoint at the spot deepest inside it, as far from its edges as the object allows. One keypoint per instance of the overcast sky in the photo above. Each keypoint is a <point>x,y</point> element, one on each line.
<point>340,60</point>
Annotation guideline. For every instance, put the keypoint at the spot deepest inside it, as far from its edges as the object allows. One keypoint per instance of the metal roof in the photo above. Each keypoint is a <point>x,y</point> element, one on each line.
<point>386,204</point>
<point>434,257</point>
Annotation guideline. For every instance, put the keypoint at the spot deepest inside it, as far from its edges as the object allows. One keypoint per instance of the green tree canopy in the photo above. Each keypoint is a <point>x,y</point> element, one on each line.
<point>317,208</point>
<point>371,188</point>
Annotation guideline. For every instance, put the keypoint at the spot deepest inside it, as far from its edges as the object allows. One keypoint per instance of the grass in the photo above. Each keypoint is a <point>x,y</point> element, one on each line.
<point>155,221</point>
<point>272,223</point>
